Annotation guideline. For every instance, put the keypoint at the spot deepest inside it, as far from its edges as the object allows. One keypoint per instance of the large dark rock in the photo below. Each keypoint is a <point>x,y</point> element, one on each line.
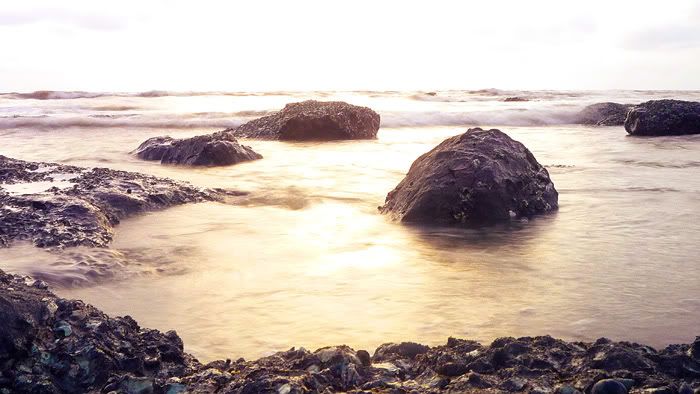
<point>664,117</point>
<point>314,120</point>
<point>218,149</point>
<point>603,114</point>
<point>59,205</point>
<point>478,177</point>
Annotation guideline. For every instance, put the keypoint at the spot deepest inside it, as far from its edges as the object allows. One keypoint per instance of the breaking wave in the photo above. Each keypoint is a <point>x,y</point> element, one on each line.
<point>504,117</point>
<point>70,95</point>
<point>178,121</point>
<point>233,119</point>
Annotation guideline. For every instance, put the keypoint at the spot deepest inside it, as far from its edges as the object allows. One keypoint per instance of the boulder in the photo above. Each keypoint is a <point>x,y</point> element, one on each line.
<point>603,114</point>
<point>479,177</point>
<point>218,149</point>
<point>664,117</point>
<point>314,120</point>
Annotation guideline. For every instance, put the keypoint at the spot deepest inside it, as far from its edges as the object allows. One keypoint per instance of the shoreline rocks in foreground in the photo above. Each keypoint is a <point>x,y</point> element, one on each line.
<point>603,114</point>
<point>217,149</point>
<point>53,345</point>
<point>314,120</point>
<point>54,205</point>
<point>479,177</point>
<point>664,117</point>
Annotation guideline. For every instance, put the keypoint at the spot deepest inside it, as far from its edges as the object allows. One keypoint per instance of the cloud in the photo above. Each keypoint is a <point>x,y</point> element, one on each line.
<point>666,37</point>
<point>85,20</point>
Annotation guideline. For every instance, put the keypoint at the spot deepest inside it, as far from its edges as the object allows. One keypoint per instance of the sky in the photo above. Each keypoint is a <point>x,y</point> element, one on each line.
<point>262,45</point>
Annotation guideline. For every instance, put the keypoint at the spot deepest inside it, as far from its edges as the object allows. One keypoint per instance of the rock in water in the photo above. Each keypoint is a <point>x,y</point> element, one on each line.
<point>314,120</point>
<point>218,149</point>
<point>475,178</point>
<point>58,205</point>
<point>603,114</point>
<point>664,117</point>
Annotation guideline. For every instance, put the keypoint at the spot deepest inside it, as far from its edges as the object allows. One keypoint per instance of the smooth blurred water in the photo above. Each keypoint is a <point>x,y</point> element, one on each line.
<point>306,260</point>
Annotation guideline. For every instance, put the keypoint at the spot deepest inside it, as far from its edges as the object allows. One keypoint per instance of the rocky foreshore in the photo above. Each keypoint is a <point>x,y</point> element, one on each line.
<point>55,205</point>
<point>53,345</point>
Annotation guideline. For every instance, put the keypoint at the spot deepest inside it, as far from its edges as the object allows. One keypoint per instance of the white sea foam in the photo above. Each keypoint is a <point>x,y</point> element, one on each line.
<point>61,181</point>
<point>216,110</point>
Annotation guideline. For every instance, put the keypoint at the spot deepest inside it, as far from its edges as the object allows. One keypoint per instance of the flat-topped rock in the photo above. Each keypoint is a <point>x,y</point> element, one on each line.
<point>664,117</point>
<point>314,120</point>
<point>58,205</point>
<point>479,177</point>
<point>603,114</point>
<point>217,149</point>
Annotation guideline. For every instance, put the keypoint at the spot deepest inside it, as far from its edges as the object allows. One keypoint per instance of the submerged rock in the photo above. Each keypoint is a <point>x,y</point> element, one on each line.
<point>603,114</point>
<point>218,149</point>
<point>314,120</point>
<point>664,117</point>
<point>478,177</point>
<point>58,205</point>
<point>104,354</point>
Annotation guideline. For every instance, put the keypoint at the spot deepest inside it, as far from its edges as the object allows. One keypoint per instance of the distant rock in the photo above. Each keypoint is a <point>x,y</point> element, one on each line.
<point>603,114</point>
<point>664,117</point>
<point>218,149</point>
<point>515,99</point>
<point>478,177</point>
<point>314,120</point>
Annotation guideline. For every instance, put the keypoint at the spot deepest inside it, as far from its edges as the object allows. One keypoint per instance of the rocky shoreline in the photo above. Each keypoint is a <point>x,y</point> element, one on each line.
<point>55,205</point>
<point>52,345</point>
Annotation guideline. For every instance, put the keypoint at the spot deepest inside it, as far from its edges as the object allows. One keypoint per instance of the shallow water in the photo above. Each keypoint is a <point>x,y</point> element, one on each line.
<point>306,260</point>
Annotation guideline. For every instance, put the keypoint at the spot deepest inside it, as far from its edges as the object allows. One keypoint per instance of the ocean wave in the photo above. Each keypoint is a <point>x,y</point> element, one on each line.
<point>504,117</point>
<point>71,95</point>
<point>120,120</point>
<point>390,119</point>
<point>658,164</point>
<point>462,96</point>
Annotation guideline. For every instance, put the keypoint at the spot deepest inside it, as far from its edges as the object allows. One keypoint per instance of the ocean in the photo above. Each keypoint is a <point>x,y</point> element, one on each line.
<point>305,259</point>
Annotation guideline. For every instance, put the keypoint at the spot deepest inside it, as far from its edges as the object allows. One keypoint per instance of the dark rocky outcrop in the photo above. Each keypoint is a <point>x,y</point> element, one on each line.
<point>71,206</point>
<point>314,120</point>
<point>53,345</point>
<point>478,177</point>
<point>515,99</point>
<point>603,114</point>
<point>664,117</point>
<point>218,149</point>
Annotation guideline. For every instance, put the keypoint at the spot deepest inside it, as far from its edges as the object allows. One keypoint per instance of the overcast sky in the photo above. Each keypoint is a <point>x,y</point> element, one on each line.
<point>297,44</point>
